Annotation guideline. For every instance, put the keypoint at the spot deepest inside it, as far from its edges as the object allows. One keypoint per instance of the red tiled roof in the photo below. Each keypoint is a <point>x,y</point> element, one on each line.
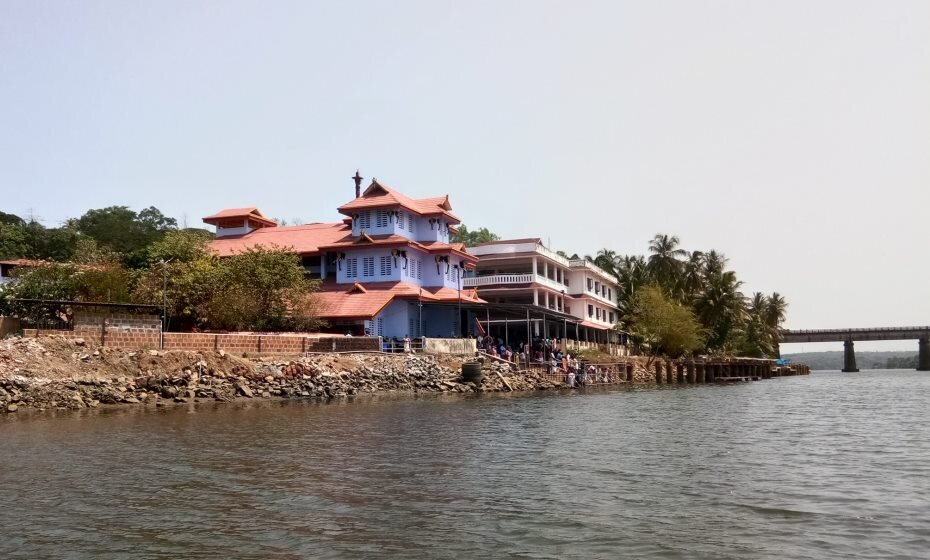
<point>250,212</point>
<point>301,239</point>
<point>379,196</point>
<point>368,240</point>
<point>393,240</point>
<point>364,301</point>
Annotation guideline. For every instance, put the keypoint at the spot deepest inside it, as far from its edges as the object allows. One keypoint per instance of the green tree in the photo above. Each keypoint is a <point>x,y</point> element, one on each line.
<point>264,290</point>
<point>665,261</point>
<point>14,243</point>
<point>11,219</point>
<point>721,309</point>
<point>124,231</point>
<point>607,260</point>
<point>663,326</point>
<point>472,238</point>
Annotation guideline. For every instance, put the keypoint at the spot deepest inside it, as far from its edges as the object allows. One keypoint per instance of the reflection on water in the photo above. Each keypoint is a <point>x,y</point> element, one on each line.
<point>827,466</point>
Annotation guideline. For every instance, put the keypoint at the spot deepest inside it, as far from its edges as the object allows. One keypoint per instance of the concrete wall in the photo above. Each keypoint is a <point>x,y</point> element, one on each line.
<point>461,346</point>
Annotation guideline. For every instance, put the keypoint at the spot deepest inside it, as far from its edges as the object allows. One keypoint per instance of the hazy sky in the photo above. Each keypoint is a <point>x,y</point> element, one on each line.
<point>794,136</point>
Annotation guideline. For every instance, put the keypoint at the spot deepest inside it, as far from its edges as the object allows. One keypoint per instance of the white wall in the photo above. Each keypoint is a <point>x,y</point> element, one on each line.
<point>395,320</point>
<point>242,230</point>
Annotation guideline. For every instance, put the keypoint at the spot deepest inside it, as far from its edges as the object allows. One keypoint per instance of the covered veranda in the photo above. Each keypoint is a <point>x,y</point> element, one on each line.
<point>510,322</point>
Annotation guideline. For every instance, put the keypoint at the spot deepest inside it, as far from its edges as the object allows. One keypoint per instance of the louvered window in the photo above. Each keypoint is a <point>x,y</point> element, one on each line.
<point>364,220</point>
<point>381,219</point>
<point>368,266</point>
<point>385,266</point>
<point>351,268</point>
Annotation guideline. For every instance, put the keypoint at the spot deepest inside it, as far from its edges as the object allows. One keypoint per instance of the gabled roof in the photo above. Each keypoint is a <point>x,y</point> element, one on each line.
<point>393,240</point>
<point>251,213</point>
<point>381,196</point>
<point>301,239</point>
<point>364,301</point>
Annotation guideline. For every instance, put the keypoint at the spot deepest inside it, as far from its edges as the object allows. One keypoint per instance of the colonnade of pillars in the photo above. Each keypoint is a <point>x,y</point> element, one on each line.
<point>715,371</point>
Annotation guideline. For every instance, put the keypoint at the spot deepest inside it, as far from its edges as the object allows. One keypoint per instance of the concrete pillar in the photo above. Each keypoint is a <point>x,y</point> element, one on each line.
<point>849,357</point>
<point>701,373</point>
<point>712,373</point>
<point>535,269</point>
<point>669,372</point>
<point>535,297</point>
<point>658,372</point>
<point>546,300</point>
<point>923,354</point>
<point>546,269</point>
<point>629,372</point>
<point>680,378</point>
<point>691,372</point>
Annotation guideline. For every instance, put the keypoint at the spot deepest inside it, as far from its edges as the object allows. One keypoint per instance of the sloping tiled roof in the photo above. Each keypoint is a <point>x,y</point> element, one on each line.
<point>250,212</point>
<point>379,196</point>
<point>393,240</point>
<point>301,239</point>
<point>364,301</point>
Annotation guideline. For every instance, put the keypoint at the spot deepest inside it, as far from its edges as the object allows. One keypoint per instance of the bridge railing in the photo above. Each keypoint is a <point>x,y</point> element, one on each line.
<point>862,330</point>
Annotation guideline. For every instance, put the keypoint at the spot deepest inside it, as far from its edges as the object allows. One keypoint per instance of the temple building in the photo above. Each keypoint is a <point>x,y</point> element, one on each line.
<point>531,288</point>
<point>386,269</point>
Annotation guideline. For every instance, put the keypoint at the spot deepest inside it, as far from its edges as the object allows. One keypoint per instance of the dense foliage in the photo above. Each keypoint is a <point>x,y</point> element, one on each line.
<point>698,281</point>
<point>472,238</point>
<point>117,255</point>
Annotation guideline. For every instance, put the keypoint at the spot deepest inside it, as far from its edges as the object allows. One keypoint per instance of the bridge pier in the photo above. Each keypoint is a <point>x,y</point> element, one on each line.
<point>923,354</point>
<point>849,357</point>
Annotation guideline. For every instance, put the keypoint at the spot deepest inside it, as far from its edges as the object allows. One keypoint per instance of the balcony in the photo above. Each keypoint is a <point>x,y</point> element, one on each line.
<point>505,279</point>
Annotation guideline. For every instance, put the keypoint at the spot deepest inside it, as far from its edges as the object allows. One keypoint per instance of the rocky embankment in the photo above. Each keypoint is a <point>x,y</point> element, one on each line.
<point>56,373</point>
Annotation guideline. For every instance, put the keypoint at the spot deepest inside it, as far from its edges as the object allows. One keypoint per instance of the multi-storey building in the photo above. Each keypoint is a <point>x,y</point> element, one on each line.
<point>560,297</point>
<point>387,269</point>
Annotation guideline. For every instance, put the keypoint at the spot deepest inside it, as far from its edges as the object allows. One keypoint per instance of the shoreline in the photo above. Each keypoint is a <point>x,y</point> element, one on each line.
<point>61,374</point>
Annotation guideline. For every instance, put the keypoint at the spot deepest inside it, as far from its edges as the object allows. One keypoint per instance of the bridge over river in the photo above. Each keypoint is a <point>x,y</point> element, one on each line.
<point>850,336</point>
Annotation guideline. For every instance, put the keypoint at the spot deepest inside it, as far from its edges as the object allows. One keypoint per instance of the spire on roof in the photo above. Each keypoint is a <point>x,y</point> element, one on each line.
<point>358,184</point>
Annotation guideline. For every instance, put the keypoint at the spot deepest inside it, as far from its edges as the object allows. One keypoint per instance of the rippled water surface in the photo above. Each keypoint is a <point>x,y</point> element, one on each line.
<point>827,466</point>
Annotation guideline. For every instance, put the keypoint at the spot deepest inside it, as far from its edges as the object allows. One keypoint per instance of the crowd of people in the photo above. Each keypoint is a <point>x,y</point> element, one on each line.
<point>547,351</point>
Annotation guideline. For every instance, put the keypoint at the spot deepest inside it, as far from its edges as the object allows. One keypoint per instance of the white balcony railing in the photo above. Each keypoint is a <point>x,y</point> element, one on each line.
<point>499,279</point>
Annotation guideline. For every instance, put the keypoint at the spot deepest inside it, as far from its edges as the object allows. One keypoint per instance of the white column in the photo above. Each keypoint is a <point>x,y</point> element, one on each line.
<point>547,299</point>
<point>546,269</point>
<point>534,267</point>
<point>323,266</point>
<point>535,293</point>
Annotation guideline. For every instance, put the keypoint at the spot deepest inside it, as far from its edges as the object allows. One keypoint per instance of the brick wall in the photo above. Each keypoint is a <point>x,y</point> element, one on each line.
<point>233,343</point>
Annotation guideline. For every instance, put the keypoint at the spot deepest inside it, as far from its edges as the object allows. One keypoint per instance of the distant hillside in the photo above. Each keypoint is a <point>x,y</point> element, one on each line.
<point>865,360</point>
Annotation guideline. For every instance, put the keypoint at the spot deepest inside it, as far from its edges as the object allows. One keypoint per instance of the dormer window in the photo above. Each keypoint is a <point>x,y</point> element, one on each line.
<point>381,219</point>
<point>364,220</point>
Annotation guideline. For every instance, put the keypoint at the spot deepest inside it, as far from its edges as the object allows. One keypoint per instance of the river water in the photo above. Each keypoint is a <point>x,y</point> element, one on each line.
<point>826,466</point>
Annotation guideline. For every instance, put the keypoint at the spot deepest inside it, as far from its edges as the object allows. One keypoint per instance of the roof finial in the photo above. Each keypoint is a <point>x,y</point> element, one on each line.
<point>358,184</point>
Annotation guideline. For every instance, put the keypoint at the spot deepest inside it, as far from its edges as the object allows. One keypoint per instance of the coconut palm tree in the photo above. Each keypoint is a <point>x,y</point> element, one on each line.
<point>775,311</point>
<point>714,263</point>
<point>665,261</point>
<point>607,259</point>
<point>692,277</point>
<point>721,308</point>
